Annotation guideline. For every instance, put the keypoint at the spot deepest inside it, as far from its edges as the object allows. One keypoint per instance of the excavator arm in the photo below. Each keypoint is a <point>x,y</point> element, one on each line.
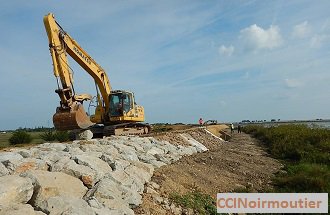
<point>71,114</point>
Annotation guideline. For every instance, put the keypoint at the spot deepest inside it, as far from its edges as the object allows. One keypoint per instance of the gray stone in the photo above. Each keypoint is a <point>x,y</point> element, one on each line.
<point>199,147</point>
<point>155,150</point>
<point>127,152</point>
<point>110,150</point>
<point>117,206</point>
<point>94,163</point>
<point>25,153</point>
<point>50,184</point>
<point>87,175</point>
<point>146,157</point>
<point>170,148</point>
<point>165,158</point>
<point>120,177</point>
<point>3,170</point>
<point>59,165</point>
<point>147,168</point>
<point>14,190</point>
<point>133,198</point>
<point>154,185</point>
<point>151,190</point>
<point>66,205</point>
<point>91,147</point>
<point>138,174</point>
<point>5,156</point>
<point>130,156</point>
<point>105,189</point>
<point>157,199</point>
<point>57,146</point>
<point>190,150</point>
<point>106,211</point>
<point>136,143</point>
<point>17,167</point>
<point>109,159</point>
<point>73,150</point>
<point>94,203</point>
<point>84,135</point>
<point>175,210</point>
<point>156,163</point>
<point>19,209</point>
<point>119,164</point>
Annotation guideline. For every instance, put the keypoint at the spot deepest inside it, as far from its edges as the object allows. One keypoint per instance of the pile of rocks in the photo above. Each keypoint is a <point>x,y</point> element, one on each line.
<point>99,176</point>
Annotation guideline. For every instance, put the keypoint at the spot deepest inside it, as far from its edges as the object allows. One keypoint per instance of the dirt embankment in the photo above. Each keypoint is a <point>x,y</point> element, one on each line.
<point>241,163</point>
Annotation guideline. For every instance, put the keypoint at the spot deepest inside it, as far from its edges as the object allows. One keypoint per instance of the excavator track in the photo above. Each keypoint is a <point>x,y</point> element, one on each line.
<point>124,129</point>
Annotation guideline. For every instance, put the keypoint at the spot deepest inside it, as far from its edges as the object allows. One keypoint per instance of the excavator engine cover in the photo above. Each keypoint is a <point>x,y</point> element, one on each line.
<point>74,118</point>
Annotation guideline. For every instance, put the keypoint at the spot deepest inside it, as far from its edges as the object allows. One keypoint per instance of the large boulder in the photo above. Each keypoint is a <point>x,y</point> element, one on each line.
<point>25,164</point>
<point>3,170</point>
<point>20,209</point>
<point>5,156</point>
<point>84,135</point>
<point>66,205</point>
<point>14,190</point>
<point>50,184</point>
<point>87,175</point>
<point>94,163</point>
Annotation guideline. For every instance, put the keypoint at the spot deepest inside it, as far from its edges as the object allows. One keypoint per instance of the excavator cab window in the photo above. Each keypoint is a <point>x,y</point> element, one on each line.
<point>119,104</point>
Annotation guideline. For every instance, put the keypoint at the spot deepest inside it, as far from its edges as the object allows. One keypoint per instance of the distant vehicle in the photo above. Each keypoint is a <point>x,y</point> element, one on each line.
<point>210,122</point>
<point>273,120</point>
<point>4,132</point>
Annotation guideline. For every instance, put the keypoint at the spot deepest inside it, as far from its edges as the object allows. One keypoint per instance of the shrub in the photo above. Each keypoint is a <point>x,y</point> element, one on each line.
<point>20,137</point>
<point>306,154</point>
<point>304,177</point>
<point>62,136</point>
<point>48,135</point>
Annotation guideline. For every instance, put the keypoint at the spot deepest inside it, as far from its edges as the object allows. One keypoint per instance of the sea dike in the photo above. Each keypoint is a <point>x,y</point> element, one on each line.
<point>99,176</point>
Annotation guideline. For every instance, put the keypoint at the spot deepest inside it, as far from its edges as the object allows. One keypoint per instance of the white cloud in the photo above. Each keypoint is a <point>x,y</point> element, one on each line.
<point>256,38</point>
<point>301,30</point>
<point>227,51</point>
<point>292,83</point>
<point>318,40</point>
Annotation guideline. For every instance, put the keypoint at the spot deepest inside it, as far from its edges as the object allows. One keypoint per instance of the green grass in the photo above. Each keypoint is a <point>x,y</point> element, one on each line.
<point>201,203</point>
<point>304,151</point>
<point>4,139</point>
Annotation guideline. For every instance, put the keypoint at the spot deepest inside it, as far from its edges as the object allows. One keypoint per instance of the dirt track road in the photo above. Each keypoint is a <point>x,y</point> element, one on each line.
<point>237,164</point>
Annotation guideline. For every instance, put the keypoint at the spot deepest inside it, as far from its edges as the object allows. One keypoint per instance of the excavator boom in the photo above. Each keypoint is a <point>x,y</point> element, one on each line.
<point>71,114</point>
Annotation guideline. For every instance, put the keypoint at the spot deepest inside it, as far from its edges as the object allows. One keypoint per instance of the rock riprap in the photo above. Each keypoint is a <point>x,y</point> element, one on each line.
<point>92,177</point>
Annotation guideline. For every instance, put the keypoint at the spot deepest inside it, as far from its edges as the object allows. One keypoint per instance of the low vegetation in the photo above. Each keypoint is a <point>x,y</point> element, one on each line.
<point>48,135</point>
<point>304,151</point>
<point>62,136</point>
<point>52,135</point>
<point>161,128</point>
<point>199,202</point>
<point>20,137</point>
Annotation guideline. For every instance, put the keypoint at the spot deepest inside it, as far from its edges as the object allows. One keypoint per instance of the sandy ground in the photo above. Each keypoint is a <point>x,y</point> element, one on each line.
<point>239,163</point>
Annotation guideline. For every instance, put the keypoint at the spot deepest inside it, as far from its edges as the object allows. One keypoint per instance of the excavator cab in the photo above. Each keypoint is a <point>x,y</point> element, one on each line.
<point>121,102</point>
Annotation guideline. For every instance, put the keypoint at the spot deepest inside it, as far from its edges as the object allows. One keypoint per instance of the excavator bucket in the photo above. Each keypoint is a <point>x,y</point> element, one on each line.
<point>75,118</point>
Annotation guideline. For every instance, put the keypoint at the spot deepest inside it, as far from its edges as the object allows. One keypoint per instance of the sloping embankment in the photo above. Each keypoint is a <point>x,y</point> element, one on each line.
<point>101,176</point>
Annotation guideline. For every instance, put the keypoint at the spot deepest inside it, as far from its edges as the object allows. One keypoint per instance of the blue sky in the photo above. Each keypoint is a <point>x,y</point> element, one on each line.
<point>223,60</point>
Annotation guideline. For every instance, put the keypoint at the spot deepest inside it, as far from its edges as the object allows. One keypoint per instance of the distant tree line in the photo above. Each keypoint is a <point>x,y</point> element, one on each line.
<point>35,129</point>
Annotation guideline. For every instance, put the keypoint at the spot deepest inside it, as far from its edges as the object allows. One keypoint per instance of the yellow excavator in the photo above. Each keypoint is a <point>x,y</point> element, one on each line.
<point>116,112</point>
